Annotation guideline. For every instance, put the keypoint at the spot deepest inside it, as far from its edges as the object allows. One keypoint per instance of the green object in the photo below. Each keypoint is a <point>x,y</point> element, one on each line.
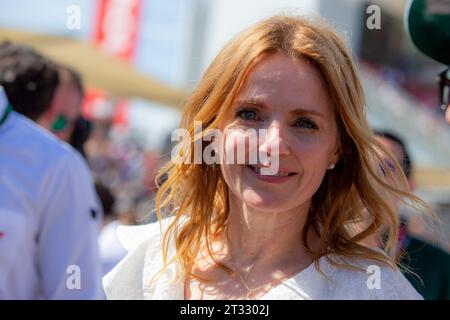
<point>432,265</point>
<point>428,24</point>
<point>6,114</point>
<point>60,123</point>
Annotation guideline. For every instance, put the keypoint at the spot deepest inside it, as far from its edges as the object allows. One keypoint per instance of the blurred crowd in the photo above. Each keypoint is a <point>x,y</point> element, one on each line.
<point>119,189</point>
<point>45,98</point>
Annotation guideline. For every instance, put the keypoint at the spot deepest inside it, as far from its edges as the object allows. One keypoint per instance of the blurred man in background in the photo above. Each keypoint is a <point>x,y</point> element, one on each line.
<point>430,263</point>
<point>49,211</point>
<point>63,115</point>
<point>69,124</point>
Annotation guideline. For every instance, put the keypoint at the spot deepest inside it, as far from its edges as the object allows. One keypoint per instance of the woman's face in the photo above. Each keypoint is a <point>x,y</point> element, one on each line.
<point>289,99</point>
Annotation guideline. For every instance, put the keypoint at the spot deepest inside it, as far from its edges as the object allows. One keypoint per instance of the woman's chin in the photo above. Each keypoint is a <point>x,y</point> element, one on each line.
<point>264,201</point>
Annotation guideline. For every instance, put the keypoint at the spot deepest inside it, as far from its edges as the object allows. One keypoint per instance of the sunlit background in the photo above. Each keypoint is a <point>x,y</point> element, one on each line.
<point>140,58</point>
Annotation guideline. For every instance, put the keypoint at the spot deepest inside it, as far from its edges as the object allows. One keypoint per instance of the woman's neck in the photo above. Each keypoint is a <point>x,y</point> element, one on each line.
<point>266,239</point>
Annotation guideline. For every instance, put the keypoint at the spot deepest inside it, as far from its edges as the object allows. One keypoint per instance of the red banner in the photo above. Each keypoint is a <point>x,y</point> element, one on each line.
<point>115,32</point>
<point>117,27</point>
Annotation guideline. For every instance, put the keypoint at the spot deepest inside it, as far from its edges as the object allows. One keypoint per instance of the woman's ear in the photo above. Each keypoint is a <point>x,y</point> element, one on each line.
<point>336,155</point>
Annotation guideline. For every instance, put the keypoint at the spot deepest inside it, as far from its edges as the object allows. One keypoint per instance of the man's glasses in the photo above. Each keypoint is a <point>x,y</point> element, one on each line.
<point>444,87</point>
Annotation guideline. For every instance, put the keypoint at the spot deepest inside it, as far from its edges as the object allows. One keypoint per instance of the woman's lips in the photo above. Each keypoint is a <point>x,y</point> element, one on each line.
<point>280,177</point>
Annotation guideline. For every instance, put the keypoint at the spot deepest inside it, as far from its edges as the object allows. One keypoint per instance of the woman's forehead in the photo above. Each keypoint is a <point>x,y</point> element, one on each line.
<point>280,80</point>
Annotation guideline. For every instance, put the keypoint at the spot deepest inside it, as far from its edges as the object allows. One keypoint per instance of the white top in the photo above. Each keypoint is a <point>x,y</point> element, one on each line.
<point>131,278</point>
<point>46,218</point>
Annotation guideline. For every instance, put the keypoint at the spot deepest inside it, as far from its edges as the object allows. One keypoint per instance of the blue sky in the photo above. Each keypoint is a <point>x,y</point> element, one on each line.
<point>160,51</point>
<point>160,48</point>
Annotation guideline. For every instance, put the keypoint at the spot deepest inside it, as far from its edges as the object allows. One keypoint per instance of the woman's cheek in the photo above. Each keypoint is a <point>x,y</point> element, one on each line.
<point>311,152</point>
<point>238,144</point>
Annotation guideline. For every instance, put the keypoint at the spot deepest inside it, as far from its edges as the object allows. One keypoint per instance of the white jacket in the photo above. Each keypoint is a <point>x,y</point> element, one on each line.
<point>49,216</point>
<point>132,277</point>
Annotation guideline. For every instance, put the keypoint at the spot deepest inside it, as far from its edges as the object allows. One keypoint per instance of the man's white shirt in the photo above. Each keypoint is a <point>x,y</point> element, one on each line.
<point>49,216</point>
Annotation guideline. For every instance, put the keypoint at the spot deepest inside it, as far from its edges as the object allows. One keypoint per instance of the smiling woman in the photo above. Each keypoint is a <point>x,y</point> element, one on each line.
<point>236,233</point>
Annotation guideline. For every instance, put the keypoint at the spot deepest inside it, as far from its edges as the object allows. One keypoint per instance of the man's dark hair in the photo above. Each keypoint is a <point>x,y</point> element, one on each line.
<point>406,162</point>
<point>29,79</point>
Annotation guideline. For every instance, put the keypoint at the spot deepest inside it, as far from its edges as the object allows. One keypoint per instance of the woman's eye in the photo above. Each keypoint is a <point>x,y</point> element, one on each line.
<point>304,123</point>
<point>248,115</point>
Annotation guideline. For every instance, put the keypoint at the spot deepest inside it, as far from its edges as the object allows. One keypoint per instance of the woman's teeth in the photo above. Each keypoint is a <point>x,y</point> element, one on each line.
<point>279,174</point>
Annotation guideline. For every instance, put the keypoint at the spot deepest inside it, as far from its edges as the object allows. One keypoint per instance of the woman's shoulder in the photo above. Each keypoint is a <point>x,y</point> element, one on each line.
<point>132,236</point>
<point>369,280</point>
<point>125,280</point>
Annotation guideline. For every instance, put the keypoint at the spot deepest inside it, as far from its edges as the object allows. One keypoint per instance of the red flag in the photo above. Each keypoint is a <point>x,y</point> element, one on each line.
<point>115,32</point>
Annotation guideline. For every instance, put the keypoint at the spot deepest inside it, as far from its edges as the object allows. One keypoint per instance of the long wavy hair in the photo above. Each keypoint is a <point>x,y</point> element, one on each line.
<point>360,191</point>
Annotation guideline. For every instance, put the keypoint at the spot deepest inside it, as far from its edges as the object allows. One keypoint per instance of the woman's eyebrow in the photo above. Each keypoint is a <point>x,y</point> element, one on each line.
<point>301,111</point>
<point>254,102</point>
<point>258,103</point>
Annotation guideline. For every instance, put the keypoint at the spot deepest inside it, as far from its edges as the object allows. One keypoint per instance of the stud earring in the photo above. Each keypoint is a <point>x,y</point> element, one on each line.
<point>331,167</point>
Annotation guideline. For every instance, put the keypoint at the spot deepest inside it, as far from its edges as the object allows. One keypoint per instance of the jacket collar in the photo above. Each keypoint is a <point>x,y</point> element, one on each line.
<point>166,285</point>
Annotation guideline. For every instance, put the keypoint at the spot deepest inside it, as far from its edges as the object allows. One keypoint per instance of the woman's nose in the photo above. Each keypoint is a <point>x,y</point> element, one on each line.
<point>273,140</point>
